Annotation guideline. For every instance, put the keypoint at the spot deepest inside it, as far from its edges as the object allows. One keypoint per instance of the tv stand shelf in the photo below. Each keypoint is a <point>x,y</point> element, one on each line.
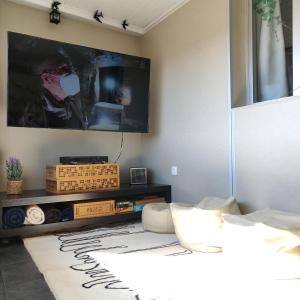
<point>42,197</point>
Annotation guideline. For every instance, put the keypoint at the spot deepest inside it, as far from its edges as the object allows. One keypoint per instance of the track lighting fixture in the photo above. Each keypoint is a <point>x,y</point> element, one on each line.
<point>54,13</point>
<point>125,24</point>
<point>98,15</point>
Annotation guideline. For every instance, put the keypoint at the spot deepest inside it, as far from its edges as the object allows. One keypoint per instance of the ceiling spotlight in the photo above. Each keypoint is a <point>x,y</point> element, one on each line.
<point>55,14</point>
<point>98,15</point>
<point>125,24</point>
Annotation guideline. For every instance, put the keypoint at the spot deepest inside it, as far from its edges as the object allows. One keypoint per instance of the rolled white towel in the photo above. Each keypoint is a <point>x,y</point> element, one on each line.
<point>34,215</point>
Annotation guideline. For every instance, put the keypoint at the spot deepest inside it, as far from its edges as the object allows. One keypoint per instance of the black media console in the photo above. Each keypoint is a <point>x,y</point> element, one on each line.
<point>42,197</point>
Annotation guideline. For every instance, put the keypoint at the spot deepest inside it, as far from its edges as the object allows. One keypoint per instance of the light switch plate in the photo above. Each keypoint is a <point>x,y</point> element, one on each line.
<point>174,171</point>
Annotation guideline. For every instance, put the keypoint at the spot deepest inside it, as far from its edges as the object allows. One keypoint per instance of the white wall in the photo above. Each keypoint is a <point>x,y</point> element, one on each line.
<point>267,155</point>
<point>189,124</point>
<point>296,45</point>
<point>267,146</point>
<point>38,147</point>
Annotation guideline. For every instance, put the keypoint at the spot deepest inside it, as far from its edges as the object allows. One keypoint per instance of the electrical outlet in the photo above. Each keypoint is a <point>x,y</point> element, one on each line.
<point>174,171</point>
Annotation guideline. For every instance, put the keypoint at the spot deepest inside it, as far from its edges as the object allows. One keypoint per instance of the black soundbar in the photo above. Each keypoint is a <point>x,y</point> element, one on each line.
<point>76,160</point>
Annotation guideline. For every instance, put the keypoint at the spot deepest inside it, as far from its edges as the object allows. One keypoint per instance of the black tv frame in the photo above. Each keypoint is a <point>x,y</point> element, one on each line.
<point>126,57</point>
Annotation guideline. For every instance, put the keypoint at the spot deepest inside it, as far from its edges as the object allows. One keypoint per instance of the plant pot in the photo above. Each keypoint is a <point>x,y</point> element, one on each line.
<point>14,187</point>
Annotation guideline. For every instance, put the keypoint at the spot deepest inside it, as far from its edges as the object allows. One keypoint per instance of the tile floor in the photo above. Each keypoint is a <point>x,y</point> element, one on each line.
<point>19,277</point>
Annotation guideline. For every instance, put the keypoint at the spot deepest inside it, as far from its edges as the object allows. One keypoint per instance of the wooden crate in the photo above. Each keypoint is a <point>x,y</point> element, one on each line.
<point>94,209</point>
<point>82,178</point>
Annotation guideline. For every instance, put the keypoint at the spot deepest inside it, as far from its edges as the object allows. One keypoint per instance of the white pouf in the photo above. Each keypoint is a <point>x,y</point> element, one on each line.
<point>157,217</point>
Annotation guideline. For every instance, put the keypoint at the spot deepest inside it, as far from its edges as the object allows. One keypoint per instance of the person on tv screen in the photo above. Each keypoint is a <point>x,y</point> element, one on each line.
<point>59,93</point>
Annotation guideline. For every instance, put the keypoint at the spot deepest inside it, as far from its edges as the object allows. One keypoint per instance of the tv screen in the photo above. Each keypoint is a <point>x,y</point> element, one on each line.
<point>58,85</point>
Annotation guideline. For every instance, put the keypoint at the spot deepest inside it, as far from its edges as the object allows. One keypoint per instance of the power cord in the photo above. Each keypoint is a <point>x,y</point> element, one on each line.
<point>121,148</point>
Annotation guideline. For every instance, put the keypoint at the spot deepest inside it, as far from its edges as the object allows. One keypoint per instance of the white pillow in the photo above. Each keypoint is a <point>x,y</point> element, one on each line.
<point>265,243</point>
<point>228,206</point>
<point>198,227</point>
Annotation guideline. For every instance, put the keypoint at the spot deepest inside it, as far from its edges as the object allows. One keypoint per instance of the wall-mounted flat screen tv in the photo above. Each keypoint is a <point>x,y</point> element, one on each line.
<point>58,85</point>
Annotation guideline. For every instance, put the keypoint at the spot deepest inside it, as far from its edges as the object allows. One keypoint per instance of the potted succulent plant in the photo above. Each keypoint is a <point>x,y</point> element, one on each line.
<point>14,172</point>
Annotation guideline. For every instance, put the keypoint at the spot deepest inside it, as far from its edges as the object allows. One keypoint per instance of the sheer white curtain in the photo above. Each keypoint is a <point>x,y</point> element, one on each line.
<point>272,75</point>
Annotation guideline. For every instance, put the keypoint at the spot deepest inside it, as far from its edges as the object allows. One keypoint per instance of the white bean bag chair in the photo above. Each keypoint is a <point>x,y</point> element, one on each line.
<point>156,217</point>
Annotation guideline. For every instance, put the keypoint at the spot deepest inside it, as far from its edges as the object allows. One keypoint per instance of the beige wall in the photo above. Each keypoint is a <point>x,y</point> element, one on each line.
<point>189,124</point>
<point>38,147</point>
<point>240,53</point>
<point>189,121</point>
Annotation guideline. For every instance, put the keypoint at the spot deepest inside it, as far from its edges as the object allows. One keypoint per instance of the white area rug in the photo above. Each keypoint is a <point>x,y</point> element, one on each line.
<point>193,277</point>
<point>91,264</point>
<point>70,270</point>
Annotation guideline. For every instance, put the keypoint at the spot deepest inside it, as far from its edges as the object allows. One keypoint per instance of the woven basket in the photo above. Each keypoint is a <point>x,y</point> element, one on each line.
<point>66,172</point>
<point>82,178</point>
<point>14,187</point>
<point>82,185</point>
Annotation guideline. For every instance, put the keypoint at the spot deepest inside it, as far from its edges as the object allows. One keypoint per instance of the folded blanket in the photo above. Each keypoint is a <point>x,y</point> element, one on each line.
<point>52,214</point>
<point>13,217</point>
<point>34,215</point>
<point>67,213</point>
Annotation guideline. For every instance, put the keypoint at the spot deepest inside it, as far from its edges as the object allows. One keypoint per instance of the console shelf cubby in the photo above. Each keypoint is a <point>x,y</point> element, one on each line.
<point>39,197</point>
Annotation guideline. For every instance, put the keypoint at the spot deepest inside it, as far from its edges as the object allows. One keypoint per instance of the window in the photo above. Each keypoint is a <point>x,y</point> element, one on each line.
<point>261,50</point>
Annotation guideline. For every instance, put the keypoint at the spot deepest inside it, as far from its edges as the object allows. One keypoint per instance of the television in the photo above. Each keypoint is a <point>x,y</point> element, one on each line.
<point>59,85</point>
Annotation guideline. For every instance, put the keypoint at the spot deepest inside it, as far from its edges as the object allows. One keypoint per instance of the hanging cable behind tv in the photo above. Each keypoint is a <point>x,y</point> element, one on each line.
<point>121,149</point>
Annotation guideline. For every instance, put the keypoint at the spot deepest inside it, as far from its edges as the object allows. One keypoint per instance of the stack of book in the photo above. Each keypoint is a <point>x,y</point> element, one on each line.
<point>139,204</point>
<point>124,206</point>
<point>135,205</point>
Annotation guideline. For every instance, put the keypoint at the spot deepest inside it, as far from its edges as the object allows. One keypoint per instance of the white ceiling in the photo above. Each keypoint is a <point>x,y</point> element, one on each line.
<point>142,15</point>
